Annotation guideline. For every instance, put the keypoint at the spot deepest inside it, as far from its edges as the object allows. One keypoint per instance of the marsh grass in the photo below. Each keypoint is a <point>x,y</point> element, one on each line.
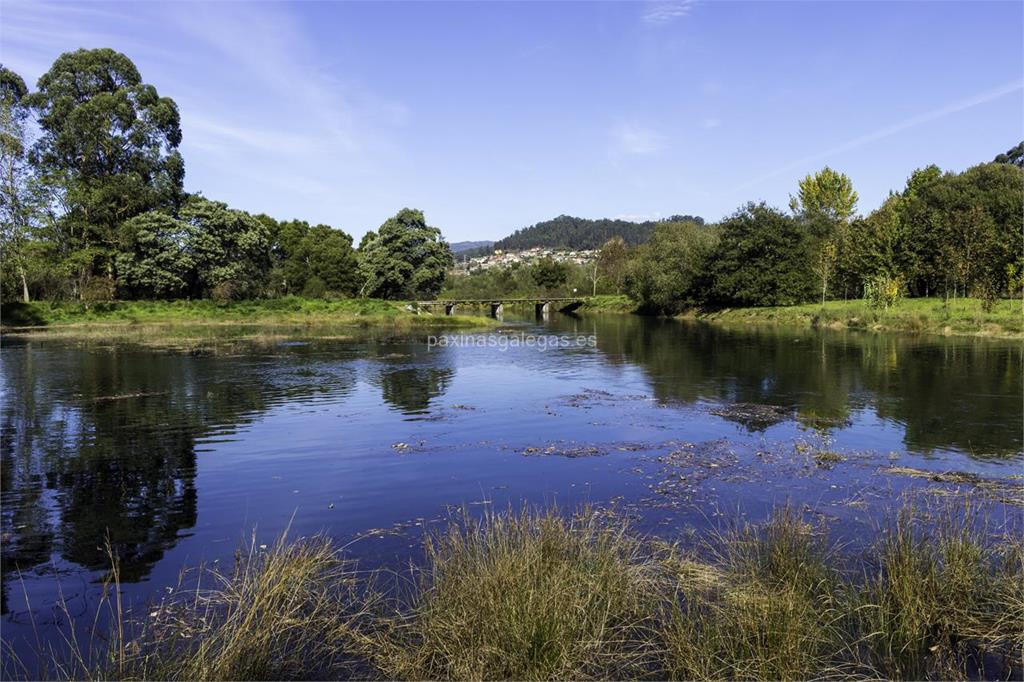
<point>536,594</point>
<point>941,602</point>
<point>529,596</point>
<point>293,609</point>
<point>178,317</point>
<point>922,315</point>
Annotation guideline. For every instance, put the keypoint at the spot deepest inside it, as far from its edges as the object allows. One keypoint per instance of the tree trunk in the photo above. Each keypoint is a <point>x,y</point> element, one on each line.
<point>24,285</point>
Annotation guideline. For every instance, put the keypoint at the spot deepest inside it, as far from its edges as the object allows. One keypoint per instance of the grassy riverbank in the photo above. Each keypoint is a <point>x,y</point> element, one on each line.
<point>288,311</point>
<point>921,315</point>
<point>538,596</point>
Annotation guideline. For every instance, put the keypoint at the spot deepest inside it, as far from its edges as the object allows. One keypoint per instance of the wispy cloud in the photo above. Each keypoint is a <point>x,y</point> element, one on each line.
<point>630,138</point>
<point>664,12</point>
<point>710,123</point>
<point>889,131</point>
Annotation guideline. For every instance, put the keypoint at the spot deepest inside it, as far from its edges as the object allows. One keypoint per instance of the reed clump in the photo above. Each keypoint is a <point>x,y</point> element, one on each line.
<point>537,594</point>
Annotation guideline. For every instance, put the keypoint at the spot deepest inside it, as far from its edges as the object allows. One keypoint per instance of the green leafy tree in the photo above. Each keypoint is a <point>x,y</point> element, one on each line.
<point>827,193</point>
<point>404,259</point>
<point>668,274</point>
<point>825,202</point>
<point>549,274</point>
<point>154,258</point>
<point>302,253</point>
<point>763,258</point>
<point>965,229</point>
<point>22,199</point>
<point>612,262</point>
<point>1013,156</point>
<point>109,144</point>
<point>230,249</point>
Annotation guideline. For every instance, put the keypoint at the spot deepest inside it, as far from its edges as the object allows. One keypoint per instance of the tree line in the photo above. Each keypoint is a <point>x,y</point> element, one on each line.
<point>944,234</point>
<point>93,207</point>
<point>579,233</point>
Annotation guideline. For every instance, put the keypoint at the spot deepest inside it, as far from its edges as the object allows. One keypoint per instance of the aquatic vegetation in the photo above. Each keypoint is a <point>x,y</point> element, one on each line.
<point>536,594</point>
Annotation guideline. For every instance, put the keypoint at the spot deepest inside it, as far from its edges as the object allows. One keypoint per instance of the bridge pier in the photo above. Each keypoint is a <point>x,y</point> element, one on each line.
<point>497,310</point>
<point>449,309</point>
<point>543,310</point>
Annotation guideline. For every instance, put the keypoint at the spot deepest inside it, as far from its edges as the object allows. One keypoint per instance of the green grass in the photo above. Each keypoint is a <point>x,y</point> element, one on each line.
<point>288,311</point>
<point>925,315</point>
<point>609,303</point>
<point>535,595</point>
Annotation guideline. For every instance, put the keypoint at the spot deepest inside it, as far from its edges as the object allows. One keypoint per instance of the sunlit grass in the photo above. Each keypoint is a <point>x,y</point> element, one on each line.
<point>538,595</point>
<point>932,315</point>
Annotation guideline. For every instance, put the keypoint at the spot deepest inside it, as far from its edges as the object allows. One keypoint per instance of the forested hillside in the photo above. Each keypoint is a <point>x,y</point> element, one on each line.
<point>582,233</point>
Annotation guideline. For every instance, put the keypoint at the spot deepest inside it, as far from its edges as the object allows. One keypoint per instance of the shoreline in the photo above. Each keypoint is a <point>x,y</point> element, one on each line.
<point>931,316</point>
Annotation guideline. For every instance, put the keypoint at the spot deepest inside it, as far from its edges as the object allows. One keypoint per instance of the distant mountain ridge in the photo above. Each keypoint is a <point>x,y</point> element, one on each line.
<point>570,232</point>
<point>459,247</point>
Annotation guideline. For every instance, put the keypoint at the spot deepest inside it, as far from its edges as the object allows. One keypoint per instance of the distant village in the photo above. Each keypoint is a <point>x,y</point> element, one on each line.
<point>504,259</point>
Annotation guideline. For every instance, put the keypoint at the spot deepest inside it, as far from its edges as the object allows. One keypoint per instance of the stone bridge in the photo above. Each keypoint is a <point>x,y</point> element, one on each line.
<point>542,305</point>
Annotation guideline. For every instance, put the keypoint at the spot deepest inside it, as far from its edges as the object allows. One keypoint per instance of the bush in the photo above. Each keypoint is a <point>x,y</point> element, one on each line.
<point>98,289</point>
<point>884,291</point>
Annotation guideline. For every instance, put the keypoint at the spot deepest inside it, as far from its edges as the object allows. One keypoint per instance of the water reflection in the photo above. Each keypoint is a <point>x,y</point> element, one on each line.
<point>102,442</point>
<point>956,393</point>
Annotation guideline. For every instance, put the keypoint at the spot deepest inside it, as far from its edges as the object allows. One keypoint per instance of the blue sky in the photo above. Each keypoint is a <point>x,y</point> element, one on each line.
<point>494,115</point>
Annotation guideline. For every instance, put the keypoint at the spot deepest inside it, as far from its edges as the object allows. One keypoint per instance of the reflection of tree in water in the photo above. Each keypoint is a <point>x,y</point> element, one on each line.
<point>410,380</point>
<point>960,393</point>
<point>102,444</point>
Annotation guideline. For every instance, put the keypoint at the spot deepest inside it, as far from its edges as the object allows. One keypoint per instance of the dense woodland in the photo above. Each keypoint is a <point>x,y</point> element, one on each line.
<point>93,208</point>
<point>581,233</point>
<point>943,234</point>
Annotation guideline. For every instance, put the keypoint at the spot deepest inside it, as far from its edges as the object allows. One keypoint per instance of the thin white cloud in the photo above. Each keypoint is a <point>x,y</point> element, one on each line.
<point>630,138</point>
<point>665,12</point>
<point>710,123</point>
<point>888,131</point>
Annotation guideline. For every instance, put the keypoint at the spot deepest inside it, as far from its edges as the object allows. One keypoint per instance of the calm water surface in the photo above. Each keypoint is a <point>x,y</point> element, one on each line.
<point>174,456</point>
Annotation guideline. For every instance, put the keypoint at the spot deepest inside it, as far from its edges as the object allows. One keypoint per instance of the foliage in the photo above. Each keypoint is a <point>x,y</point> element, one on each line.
<point>22,198</point>
<point>612,262</point>
<point>314,261</point>
<point>1013,156</point>
<point>668,274</point>
<point>405,258</point>
<point>763,258</point>
<point>108,146</point>
<point>154,257</point>
<point>581,233</point>
<point>884,291</point>
<point>230,248</point>
<point>827,194</point>
<point>549,274</point>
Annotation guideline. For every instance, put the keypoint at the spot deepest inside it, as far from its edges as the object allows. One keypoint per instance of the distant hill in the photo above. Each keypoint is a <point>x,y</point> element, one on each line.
<point>580,233</point>
<point>459,247</point>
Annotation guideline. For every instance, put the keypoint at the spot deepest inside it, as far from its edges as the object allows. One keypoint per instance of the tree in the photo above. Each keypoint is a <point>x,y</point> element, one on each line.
<point>763,258</point>
<point>404,259</point>
<point>22,200</point>
<point>826,202</point>
<point>109,144</point>
<point>668,274</point>
<point>319,254</point>
<point>612,261</point>
<point>1013,156</point>
<point>154,258</point>
<point>549,274</point>
<point>230,248</point>
<point>827,193</point>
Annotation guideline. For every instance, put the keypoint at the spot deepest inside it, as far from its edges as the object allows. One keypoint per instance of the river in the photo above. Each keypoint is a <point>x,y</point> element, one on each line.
<point>176,456</point>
